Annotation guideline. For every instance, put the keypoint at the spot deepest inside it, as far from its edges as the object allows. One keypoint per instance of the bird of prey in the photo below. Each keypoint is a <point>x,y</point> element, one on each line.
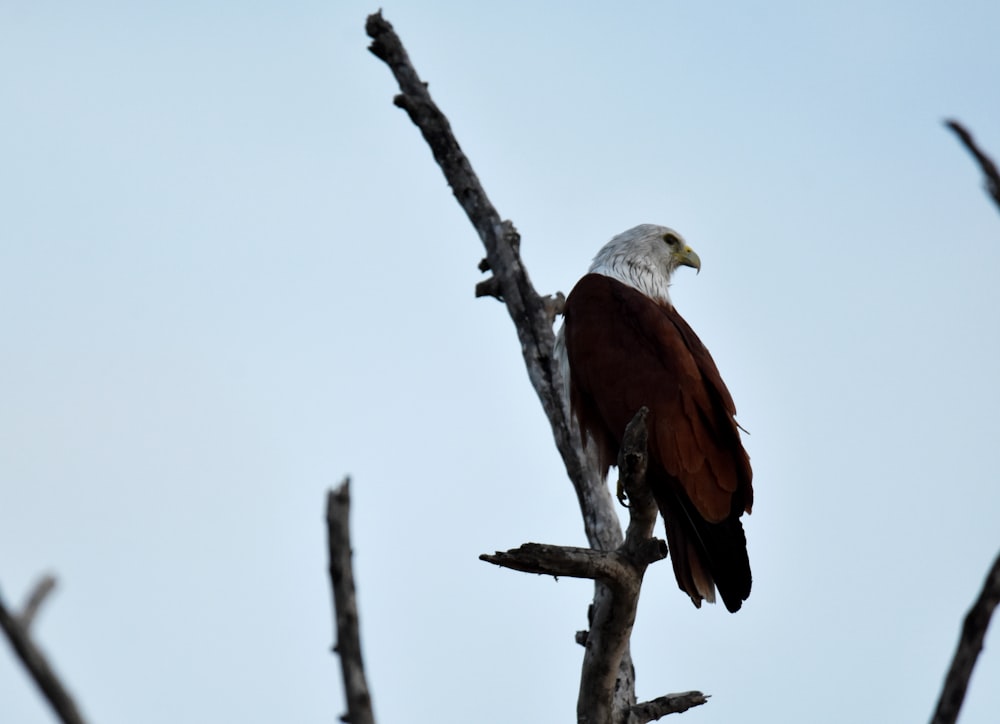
<point>624,346</point>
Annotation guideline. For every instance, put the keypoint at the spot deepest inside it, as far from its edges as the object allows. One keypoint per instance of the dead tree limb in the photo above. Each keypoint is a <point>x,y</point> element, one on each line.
<point>992,175</point>
<point>621,572</point>
<point>611,627</point>
<point>970,643</point>
<point>359,702</point>
<point>608,679</point>
<point>550,560</point>
<point>16,629</point>
<point>531,313</point>
<point>663,705</point>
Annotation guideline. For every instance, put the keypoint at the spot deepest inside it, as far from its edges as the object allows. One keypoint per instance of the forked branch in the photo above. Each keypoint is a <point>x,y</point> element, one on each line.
<point>16,629</point>
<point>619,574</point>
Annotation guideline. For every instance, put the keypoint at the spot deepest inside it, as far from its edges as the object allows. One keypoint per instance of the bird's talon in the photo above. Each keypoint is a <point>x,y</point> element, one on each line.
<point>621,494</point>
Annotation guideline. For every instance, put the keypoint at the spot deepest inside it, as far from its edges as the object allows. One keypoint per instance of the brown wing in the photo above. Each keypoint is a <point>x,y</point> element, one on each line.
<point>626,351</point>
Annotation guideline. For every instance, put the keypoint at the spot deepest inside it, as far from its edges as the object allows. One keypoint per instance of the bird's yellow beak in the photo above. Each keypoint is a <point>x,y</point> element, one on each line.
<point>687,257</point>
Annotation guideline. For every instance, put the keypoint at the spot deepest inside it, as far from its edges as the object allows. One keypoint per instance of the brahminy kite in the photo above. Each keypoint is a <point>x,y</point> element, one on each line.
<point>624,346</point>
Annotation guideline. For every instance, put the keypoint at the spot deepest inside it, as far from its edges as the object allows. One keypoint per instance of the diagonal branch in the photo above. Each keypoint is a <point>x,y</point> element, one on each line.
<point>992,181</point>
<point>977,621</point>
<point>970,643</point>
<point>532,314</point>
<point>16,628</point>
<point>359,702</point>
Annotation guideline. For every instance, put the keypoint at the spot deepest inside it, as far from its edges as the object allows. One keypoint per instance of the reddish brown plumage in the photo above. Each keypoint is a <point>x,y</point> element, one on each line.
<point>625,351</point>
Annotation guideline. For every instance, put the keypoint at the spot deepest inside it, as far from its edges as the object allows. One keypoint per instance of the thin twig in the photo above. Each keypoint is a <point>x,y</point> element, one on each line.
<point>992,181</point>
<point>970,643</point>
<point>359,702</point>
<point>38,666</point>
<point>46,584</point>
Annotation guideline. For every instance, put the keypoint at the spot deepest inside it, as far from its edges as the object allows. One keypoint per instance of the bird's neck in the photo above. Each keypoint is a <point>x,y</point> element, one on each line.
<point>642,277</point>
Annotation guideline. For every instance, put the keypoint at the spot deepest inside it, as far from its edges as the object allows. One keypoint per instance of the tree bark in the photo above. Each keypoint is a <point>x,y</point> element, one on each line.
<point>345,606</point>
<point>531,313</point>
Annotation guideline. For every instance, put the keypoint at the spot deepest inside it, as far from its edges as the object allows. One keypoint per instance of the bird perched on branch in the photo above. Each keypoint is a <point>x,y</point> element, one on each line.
<point>624,346</point>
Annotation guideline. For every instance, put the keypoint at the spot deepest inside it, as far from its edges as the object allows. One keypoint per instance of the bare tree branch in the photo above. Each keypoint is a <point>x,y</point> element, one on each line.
<point>561,561</point>
<point>16,628</point>
<point>989,168</point>
<point>611,628</point>
<point>620,572</point>
<point>359,703</point>
<point>610,567</point>
<point>607,688</point>
<point>670,704</point>
<point>970,643</point>
<point>531,313</point>
<point>977,621</point>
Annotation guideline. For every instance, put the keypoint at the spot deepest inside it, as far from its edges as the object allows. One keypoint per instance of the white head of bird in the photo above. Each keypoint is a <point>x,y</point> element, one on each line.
<point>645,258</point>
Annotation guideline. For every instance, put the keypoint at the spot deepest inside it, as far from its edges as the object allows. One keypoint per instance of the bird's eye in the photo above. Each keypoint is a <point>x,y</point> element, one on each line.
<point>671,239</point>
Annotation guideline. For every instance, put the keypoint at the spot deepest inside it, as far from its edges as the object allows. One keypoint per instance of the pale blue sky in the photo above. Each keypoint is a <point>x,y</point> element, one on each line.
<point>230,272</point>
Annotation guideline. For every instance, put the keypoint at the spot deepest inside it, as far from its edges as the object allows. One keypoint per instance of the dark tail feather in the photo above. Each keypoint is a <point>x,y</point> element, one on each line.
<point>703,553</point>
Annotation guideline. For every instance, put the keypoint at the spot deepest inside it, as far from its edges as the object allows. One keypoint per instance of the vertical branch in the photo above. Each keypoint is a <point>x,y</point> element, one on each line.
<point>16,628</point>
<point>359,703</point>
<point>619,575</point>
<point>611,628</point>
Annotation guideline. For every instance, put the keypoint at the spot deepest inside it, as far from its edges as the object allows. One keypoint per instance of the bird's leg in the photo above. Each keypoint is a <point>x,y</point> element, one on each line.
<point>620,492</point>
<point>632,453</point>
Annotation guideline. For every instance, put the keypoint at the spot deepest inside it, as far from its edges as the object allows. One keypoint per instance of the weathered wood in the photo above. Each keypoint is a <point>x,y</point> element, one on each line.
<point>613,619</point>
<point>531,313</point>
<point>663,705</point>
<point>359,702</point>
<point>607,691</point>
